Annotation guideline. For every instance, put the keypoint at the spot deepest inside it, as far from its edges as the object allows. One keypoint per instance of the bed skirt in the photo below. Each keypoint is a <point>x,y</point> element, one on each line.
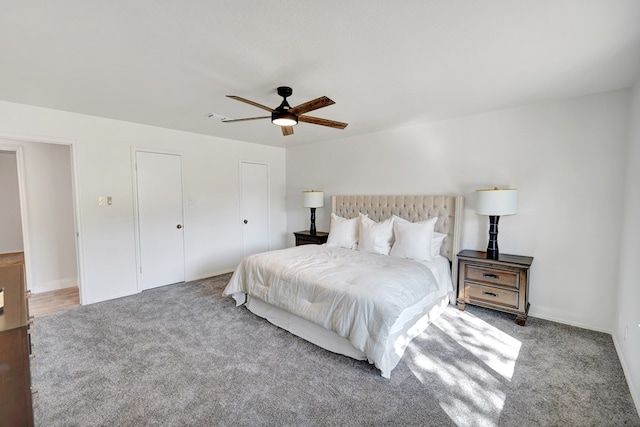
<point>411,323</point>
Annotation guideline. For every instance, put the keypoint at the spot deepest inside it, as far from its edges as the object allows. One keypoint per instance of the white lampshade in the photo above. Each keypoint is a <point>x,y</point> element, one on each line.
<point>497,201</point>
<point>313,199</point>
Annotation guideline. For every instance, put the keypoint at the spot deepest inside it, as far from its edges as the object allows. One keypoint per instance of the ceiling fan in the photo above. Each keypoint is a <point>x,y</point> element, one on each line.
<point>287,117</point>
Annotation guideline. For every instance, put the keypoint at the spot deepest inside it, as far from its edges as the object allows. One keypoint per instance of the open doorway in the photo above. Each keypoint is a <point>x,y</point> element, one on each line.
<point>38,200</point>
<point>11,244</point>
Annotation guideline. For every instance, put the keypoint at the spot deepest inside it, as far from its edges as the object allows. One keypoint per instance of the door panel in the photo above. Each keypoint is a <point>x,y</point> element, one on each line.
<point>254,181</point>
<point>160,219</point>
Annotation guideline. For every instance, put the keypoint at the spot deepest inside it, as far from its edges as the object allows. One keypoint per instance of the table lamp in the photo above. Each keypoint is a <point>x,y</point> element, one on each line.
<point>313,199</point>
<point>495,202</point>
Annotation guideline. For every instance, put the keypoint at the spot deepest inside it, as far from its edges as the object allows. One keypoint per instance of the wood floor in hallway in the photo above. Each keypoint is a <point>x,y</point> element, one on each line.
<point>46,302</point>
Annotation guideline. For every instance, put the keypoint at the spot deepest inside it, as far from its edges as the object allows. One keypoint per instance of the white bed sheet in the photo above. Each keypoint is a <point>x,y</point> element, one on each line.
<point>401,312</point>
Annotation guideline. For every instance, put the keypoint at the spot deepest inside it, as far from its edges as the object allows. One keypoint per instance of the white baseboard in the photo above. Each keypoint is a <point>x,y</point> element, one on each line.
<point>54,285</point>
<point>546,316</point>
<point>635,394</point>
<point>207,275</point>
<point>5,252</point>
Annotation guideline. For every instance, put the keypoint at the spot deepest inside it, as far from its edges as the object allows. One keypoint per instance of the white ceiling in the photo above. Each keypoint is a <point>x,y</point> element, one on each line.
<point>385,63</point>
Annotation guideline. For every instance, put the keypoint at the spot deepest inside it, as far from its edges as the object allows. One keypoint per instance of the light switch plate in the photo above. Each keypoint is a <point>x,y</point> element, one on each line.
<point>104,200</point>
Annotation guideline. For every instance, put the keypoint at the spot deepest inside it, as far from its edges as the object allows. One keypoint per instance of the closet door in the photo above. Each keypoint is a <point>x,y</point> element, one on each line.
<point>160,219</point>
<point>254,206</point>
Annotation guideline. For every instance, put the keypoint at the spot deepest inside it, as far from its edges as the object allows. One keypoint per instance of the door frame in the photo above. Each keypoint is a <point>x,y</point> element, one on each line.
<point>136,216</point>
<point>24,217</point>
<point>241,208</point>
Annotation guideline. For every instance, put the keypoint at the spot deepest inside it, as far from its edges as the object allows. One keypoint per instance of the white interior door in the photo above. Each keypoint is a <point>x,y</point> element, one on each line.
<point>254,181</point>
<point>160,219</point>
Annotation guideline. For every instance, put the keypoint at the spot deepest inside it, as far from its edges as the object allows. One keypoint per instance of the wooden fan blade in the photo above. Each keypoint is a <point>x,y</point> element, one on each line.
<point>287,130</point>
<point>323,101</point>
<point>244,120</point>
<point>322,122</point>
<point>246,101</point>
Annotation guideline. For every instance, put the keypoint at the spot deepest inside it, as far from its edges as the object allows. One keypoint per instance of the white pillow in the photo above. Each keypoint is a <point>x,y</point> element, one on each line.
<point>436,243</point>
<point>343,233</point>
<point>375,237</point>
<point>413,239</point>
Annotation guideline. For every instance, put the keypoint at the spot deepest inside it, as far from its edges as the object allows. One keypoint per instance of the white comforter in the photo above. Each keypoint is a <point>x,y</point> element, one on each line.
<point>357,295</point>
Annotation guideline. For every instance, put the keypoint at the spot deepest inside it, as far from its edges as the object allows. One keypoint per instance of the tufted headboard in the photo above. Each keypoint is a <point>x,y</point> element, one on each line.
<point>448,209</point>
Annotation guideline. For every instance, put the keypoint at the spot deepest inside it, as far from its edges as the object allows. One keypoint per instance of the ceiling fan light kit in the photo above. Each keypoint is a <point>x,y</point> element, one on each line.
<point>287,117</point>
<point>284,118</point>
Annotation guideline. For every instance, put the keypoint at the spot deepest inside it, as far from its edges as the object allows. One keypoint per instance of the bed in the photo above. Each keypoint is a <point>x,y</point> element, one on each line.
<point>367,306</point>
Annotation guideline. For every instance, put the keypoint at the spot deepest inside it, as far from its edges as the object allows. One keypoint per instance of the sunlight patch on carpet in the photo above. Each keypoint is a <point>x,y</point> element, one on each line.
<point>471,353</point>
<point>465,391</point>
<point>495,348</point>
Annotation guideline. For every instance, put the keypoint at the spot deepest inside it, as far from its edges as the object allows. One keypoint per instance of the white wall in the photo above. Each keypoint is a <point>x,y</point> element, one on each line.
<point>566,158</point>
<point>102,154</point>
<point>10,221</point>
<point>628,310</point>
<point>50,213</point>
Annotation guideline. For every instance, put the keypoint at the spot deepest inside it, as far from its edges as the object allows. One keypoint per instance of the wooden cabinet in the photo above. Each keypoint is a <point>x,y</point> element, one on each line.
<point>16,407</point>
<point>501,284</point>
<point>306,238</point>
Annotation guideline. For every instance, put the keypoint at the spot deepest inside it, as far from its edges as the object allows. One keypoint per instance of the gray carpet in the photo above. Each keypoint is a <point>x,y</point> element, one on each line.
<point>184,355</point>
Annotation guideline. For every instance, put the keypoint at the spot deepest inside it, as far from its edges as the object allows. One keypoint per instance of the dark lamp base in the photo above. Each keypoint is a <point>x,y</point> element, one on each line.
<point>492,247</point>
<point>312,228</point>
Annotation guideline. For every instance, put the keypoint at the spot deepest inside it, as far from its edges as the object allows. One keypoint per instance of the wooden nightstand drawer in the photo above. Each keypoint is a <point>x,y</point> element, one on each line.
<point>491,295</point>
<point>493,276</point>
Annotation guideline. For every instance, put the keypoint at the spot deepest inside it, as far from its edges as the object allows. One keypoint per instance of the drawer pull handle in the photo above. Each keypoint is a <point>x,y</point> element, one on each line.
<point>489,294</point>
<point>491,276</point>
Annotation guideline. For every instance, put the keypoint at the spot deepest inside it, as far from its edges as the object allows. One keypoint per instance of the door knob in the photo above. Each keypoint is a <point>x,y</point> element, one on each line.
<point>246,222</point>
<point>179,226</point>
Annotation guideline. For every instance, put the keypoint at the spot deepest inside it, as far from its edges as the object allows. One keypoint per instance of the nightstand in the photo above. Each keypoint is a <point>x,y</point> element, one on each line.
<point>500,284</point>
<point>306,238</point>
